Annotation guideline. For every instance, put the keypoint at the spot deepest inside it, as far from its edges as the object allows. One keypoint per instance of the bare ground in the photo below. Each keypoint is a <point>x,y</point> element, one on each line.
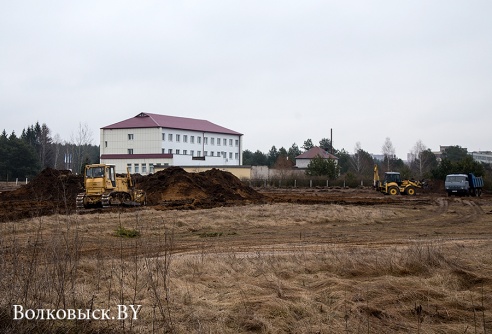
<point>299,261</point>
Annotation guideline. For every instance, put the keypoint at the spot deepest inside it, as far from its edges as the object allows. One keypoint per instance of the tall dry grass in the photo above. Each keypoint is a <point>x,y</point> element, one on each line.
<point>254,269</point>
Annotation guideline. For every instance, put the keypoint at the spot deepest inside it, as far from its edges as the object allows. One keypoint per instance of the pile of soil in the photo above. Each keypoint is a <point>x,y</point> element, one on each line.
<point>177,188</point>
<point>55,191</point>
<point>51,191</point>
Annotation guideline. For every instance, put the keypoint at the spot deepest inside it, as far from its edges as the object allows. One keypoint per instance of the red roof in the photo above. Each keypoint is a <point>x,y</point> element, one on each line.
<point>314,152</point>
<point>148,120</point>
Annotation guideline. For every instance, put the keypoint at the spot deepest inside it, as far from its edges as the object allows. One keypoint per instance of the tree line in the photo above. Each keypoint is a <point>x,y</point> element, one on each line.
<point>359,164</point>
<point>35,149</point>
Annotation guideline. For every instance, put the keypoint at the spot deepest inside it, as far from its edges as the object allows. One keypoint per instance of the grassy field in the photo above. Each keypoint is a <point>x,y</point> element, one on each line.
<point>418,266</point>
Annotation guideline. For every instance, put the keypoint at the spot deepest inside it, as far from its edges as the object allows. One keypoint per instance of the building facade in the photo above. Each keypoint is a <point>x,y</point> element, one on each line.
<point>148,140</point>
<point>482,156</point>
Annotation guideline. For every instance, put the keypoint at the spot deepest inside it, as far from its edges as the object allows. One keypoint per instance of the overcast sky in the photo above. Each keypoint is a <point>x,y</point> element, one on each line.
<point>279,72</point>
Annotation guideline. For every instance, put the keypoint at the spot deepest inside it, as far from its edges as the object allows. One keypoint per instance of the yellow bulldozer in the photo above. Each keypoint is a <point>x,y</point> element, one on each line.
<point>103,188</point>
<point>392,184</point>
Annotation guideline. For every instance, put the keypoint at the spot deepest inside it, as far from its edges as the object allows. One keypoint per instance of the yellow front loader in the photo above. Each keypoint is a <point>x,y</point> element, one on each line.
<point>392,184</point>
<point>104,188</point>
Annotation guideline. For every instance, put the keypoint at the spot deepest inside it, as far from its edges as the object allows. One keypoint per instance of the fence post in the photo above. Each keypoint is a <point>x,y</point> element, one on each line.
<point>310,183</point>
<point>16,181</point>
<point>26,180</point>
<point>295,183</point>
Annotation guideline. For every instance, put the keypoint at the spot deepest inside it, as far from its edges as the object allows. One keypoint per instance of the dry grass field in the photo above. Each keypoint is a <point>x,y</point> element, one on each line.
<point>302,262</point>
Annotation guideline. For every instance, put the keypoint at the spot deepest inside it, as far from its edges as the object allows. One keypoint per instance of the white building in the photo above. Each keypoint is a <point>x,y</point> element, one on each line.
<point>482,156</point>
<point>148,140</point>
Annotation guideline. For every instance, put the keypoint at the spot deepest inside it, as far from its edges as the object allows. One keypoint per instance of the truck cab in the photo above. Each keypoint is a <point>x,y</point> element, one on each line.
<point>463,184</point>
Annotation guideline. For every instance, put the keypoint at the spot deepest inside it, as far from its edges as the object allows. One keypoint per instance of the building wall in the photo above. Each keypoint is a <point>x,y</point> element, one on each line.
<point>302,163</point>
<point>485,157</point>
<point>185,146</point>
<point>142,166</point>
<point>142,141</point>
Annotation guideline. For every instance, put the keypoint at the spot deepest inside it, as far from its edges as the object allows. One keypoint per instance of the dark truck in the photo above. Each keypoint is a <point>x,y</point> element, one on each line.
<point>463,184</point>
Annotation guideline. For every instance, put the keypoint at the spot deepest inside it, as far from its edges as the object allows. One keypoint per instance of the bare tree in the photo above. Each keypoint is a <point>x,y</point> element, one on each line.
<point>81,141</point>
<point>57,142</point>
<point>45,154</point>
<point>424,160</point>
<point>356,161</point>
<point>417,153</point>
<point>388,151</point>
<point>362,162</point>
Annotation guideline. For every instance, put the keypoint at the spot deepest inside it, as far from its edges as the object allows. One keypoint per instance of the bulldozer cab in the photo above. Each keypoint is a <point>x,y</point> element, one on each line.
<point>392,177</point>
<point>105,172</point>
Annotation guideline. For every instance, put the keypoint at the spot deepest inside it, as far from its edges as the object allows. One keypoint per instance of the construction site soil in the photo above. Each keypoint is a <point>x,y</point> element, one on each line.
<point>54,191</point>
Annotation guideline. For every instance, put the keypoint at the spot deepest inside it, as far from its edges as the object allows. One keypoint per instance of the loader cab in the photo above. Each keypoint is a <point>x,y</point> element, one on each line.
<point>392,177</point>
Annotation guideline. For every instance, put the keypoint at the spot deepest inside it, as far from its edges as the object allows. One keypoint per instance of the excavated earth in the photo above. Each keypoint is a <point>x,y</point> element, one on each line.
<point>54,191</point>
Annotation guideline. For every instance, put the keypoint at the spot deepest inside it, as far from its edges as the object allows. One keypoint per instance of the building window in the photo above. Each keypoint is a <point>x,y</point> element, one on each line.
<point>205,140</point>
<point>211,153</point>
<point>230,142</point>
<point>224,141</point>
<point>177,151</point>
<point>130,151</point>
<point>199,153</point>
<point>192,139</point>
<point>230,155</point>
<point>199,140</point>
<point>170,151</point>
<point>130,136</point>
<point>185,152</point>
<point>218,141</point>
<point>236,156</point>
<point>151,167</point>
<point>106,144</point>
<point>170,137</point>
<point>136,168</point>
<point>237,142</point>
<point>212,141</point>
<point>205,153</point>
<point>185,138</point>
<point>129,167</point>
<point>192,153</point>
<point>163,136</point>
<point>144,168</point>
<point>178,138</point>
<point>163,151</point>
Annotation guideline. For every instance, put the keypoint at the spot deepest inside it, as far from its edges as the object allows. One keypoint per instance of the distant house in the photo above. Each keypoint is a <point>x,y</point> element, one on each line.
<point>303,160</point>
<point>147,140</point>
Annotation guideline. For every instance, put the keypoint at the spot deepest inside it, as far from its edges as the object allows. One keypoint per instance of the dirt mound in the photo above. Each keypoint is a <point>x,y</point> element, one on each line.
<point>176,187</point>
<point>49,192</point>
<point>55,191</point>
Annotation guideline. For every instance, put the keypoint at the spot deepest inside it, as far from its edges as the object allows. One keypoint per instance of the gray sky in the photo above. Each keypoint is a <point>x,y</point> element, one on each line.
<point>278,71</point>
